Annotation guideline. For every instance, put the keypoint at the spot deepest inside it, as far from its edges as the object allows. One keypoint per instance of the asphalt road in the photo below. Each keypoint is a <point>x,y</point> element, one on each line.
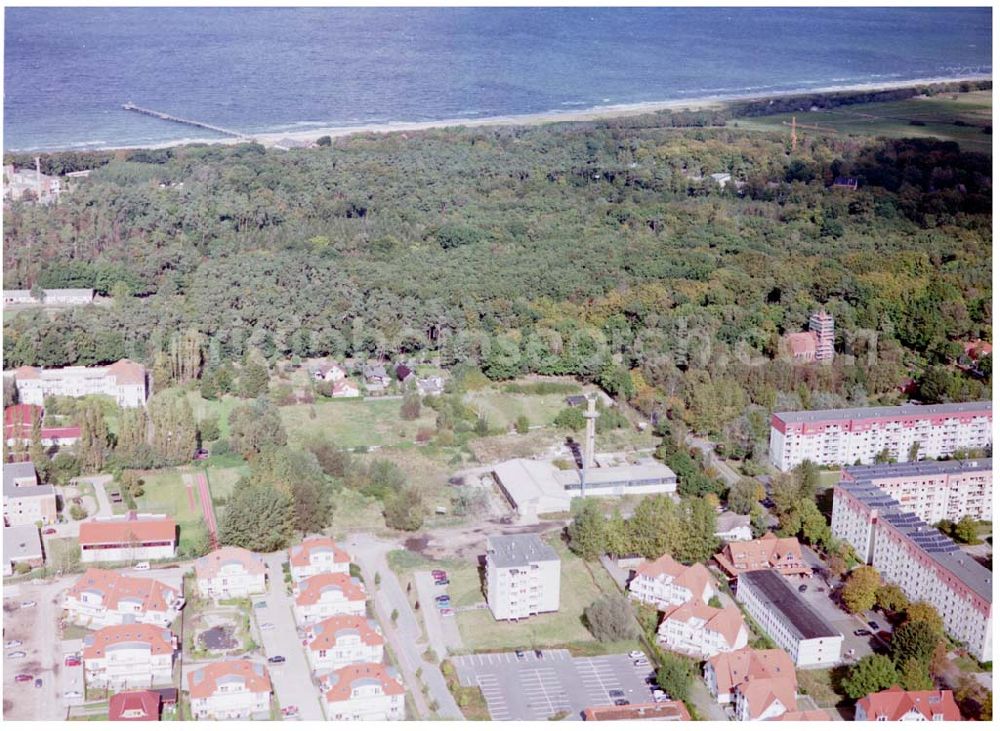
<point>292,681</point>
<point>725,472</point>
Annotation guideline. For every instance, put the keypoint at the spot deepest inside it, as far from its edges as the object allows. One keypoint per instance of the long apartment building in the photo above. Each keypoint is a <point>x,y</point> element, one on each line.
<point>851,436</point>
<point>125,381</point>
<point>933,491</point>
<point>522,576</point>
<point>798,629</point>
<point>922,561</point>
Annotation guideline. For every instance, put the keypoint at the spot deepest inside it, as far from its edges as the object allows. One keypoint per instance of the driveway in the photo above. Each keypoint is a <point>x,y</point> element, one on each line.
<point>538,686</point>
<point>100,483</point>
<point>818,596</point>
<point>292,681</point>
<point>442,632</point>
<point>725,472</point>
<point>369,553</point>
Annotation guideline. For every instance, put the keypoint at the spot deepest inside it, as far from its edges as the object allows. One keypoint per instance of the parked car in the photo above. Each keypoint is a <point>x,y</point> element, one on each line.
<point>441,582</point>
<point>616,693</point>
<point>72,661</point>
<point>659,696</point>
<point>10,644</point>
<point>201,454</point>
<point>439,574</point>
<point>72,694</point>
<point>621,702</point>
<point>23,678</point>
<point>446,611</point>
<point>276,660</point>
<point>873,625</point>
<point>640,662</point>
<point>38,682</point>
<point>260,605</point>
<point>28,604</point>
<point>442,598</point>
<point>519,653</point>
<point>538,654</point>
<point>803,587</point>
<point>636,654</point>
<point>16,654</point>
<point>267,626</point>
<point>141,566</point>
<point>862,633</point>
<point>49,532</point>
<point>289,711</point>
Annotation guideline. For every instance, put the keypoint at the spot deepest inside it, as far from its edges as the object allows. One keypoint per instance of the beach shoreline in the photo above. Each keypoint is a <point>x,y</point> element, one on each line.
<point>590,114</point>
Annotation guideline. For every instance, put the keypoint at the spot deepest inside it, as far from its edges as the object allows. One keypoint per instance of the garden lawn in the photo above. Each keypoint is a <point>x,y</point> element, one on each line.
<point>351,423</point>
<point>220,408</point>
<point>221,480</point>
<point>164,492</point>
<point>502,409</point>
<point>819,685</point>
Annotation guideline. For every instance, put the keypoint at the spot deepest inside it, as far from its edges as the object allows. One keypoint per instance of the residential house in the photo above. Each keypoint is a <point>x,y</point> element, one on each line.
<point>317,555</point>
<point>363,692</point>
<point>344,389</point>
<point>404,373</point>
<point>330,372</point>
<point>761,684</point>
<point>126,656</point>
<point>663,711</point>
<point>430,386</point>
<point>730,526</point>
<point>230,689</point>
<point>896,704</point>
<point>698,630</point>
<point>376,377</point>
<point>22,544</point>
<point>343,640</point>
<point>666,582</point>
<point>230,572</point>
<point>25,502</point>
<point>326,595</point>
<point>134,705</point>
<point>766,552</point>
<point>101,598</point>
<point>130,537</point>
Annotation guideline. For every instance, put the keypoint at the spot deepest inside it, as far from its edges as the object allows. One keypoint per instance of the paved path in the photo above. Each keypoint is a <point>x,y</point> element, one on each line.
<point>726,473</point>
<point>442,632</point>
<point>103,503</point>
<point>292,681</point>
<point>370,553</point>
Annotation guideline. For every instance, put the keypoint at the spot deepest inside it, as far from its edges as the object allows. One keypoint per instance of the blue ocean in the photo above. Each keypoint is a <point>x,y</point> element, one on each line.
<point>67,71</point>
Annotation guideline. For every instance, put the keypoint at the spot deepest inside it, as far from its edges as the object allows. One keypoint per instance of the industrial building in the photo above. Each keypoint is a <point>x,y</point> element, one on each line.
<point>522,576</point>
<point>851,436</point>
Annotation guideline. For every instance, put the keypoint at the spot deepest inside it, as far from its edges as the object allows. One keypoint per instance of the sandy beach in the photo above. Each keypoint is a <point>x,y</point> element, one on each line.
<point>579,115</point>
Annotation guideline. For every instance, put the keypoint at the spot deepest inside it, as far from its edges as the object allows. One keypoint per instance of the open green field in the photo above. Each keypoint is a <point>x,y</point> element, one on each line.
<point>164,492</point>
<point>502,409</point>
<point>220,408</point>
<point>350,423</point>
<point>221,480</point>
<point>937,117</point>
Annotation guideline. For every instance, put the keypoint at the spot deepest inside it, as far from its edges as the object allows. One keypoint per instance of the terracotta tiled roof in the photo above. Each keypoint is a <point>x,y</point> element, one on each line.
<point>758,674</point>
<point>299,555</point>
<point>768,551</point>
<point>325,635</point>
<point>22,414</point>
<point>801,344</point>
<point>977,348</point>
<point>726,621</point>
<point>160,640</point>
<point>310,590</point>
<point>27,373</point>
<point>127,529</point>
<point>343,387</point>
<point>208,566</point>
<point>665,711</point>
<point>896,703</point>
<point>694,578</point>
<point>337,686</point>
<point>761,693</point>
<point>204,681</point>
<point>134,705</point>
<point>113,587</point>
<point>127,372</point>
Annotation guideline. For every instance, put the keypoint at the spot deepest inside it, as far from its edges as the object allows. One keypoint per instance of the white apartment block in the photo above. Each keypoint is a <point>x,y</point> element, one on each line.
<point>773,603</point>
<point>124,381</point>
<point>327,595</point>
<point>229,690</point>
<point>363,692</point>
<point>317,555</point>
<point>927,565</point>
<point>933,491</point>
<point>128,656</point>
<point>343,640</point>
<point>522,576</point>
<point>698,630</point>
<point>102,598</point>
<point>850,436</point>
<point>25,502</point>
<point>666,582</point>
<point>229,573</point>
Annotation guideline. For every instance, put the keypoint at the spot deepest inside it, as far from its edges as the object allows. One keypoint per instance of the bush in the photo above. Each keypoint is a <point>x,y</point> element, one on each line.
<point>610,619</point>
<point>521,425</point>
<point>22,568</point>
<point>77,512</point>
<point>410,408</point>
<point>404,510</point>
<point>570,418</point>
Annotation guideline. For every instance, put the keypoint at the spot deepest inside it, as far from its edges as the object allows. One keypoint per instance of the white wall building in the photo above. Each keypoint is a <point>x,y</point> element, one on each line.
<point>124,381</point>
<point>230,689</point>
<point>25,502</point>
<point>927,565</point>
<point>698,630</point>
<point>795,626</point>
<point>49,297</point>
<point>760,684</point>
<point>229,573</point>
<point>522,576</point>
<point>102,598</point>
<point>666,582</point>
<point>327,595</point>
<point>343,640</point>
<point>128,656</point>
<point>933,491</point>
<point>130,537</point>
<point>317,555</point>
<point>845,436</point>
<point>363,692</point>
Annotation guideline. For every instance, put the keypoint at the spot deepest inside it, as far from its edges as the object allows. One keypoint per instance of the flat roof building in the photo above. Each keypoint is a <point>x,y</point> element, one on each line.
<point>798,629</point>
<point>25,502</point>
<point>21,544</point>
<point>522,576</point>
<point>847,436</point>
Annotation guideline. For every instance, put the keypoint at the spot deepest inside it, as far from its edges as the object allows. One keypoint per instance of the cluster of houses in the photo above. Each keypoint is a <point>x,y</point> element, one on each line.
<point>376,378</point>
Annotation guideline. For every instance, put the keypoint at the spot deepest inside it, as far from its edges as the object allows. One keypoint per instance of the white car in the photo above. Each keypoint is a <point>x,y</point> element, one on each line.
<point>72,694</point>
<point>267,626</point>
<point>637,654</point>
<point>141,566</point>
<point>26,605</point>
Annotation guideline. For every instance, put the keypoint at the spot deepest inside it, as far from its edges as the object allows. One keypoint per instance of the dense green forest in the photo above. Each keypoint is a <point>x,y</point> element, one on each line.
<point>600,249</point>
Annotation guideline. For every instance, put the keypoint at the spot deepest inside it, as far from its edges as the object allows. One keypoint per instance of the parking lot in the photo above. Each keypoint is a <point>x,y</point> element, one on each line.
<point>817,596</point>
<point>532,688</point>
<point>442,631</point>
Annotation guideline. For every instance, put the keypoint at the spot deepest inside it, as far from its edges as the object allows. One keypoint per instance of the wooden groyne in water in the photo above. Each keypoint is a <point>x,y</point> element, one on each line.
<point>130,107</point>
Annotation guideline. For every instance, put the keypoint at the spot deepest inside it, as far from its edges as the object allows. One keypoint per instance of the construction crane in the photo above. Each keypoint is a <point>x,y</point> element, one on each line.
<point>815,127</point>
